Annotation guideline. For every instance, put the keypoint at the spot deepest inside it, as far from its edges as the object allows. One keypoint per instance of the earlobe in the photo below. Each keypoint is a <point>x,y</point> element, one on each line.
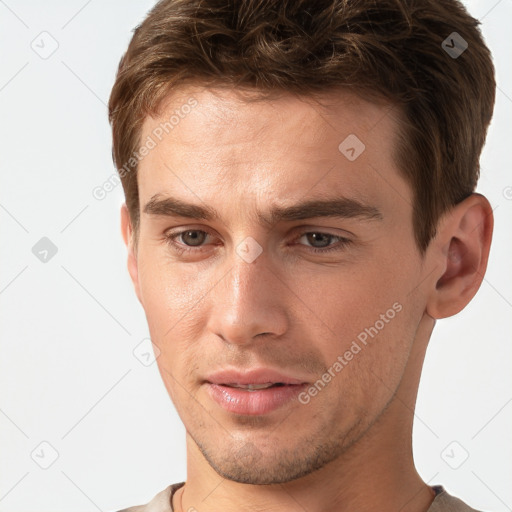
<point>128,237</point>
<point>463,242</point>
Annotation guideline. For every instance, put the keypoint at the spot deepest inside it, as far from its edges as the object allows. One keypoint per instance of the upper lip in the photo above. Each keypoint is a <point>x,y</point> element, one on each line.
<point>253,376</point>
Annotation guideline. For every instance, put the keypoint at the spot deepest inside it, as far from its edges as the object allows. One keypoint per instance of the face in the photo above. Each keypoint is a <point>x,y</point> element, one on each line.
<point>277,249</point>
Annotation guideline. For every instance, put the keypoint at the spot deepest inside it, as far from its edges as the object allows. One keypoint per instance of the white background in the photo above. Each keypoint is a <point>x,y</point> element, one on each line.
<point>69,326</point>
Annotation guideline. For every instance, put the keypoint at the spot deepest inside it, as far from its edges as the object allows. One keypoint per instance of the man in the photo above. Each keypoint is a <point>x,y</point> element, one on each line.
<point>300,210</point>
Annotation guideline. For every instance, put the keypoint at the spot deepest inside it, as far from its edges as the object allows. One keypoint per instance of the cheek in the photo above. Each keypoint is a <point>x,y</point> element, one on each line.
<point>349,302</point>
<point>372,317</point>
<point>172,302</point>
<point>368,362</point>
<point>169,291</point>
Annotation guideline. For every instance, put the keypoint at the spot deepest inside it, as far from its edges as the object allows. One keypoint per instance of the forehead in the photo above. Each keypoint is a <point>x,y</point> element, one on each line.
<point>216,142</point>
<point>230,116</point>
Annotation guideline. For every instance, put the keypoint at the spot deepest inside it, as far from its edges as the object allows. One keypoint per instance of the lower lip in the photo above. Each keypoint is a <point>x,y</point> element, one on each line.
<point>263,401</point>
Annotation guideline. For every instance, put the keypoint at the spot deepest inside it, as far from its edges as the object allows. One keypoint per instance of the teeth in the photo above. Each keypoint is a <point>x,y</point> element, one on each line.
<point>252,387</point>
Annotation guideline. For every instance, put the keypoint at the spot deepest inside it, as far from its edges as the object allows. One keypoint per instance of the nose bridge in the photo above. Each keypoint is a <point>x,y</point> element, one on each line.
<point>246,283</point>
<point>246,302</point>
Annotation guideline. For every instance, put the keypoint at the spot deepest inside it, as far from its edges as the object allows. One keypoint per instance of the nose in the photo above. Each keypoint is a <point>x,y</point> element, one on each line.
<point>249,301</point>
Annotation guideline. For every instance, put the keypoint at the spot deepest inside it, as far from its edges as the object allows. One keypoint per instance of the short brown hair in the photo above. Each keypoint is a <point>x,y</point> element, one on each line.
<point>392,49</point>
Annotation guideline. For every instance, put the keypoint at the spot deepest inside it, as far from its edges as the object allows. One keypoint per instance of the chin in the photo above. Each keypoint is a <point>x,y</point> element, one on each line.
<point>265,466</point>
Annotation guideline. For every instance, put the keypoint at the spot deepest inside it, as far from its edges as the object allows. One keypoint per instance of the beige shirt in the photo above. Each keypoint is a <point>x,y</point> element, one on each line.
<point>162,502</point>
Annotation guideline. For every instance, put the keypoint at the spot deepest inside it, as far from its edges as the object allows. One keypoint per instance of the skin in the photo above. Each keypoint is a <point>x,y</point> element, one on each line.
<point>350,447</point>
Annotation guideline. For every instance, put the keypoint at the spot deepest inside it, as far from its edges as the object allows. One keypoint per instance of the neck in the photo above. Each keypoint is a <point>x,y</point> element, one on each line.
<point>376,474</point>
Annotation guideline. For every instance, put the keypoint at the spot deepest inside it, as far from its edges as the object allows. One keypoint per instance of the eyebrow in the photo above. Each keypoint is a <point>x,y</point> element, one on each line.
<point>338,207</point>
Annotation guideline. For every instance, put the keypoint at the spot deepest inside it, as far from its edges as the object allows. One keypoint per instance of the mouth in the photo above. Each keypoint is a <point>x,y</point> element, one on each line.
<point>254,399</point>
<point>256,392</point>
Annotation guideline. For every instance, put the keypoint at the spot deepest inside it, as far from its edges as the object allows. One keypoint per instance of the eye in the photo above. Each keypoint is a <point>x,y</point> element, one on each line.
<point>190,239</point>
<point>321,242</point>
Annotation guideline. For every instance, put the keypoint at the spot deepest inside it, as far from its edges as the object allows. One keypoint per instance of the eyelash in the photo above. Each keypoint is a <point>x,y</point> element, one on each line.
<point>181,248</point>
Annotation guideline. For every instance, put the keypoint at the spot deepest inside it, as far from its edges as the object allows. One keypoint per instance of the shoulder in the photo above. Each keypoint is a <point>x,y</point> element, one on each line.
<point>160,502</point>
<point>444,502</point>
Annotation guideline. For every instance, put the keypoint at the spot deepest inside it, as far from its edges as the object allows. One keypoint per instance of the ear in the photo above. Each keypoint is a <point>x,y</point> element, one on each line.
<point>129,240</point>
<point>461,249</point>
